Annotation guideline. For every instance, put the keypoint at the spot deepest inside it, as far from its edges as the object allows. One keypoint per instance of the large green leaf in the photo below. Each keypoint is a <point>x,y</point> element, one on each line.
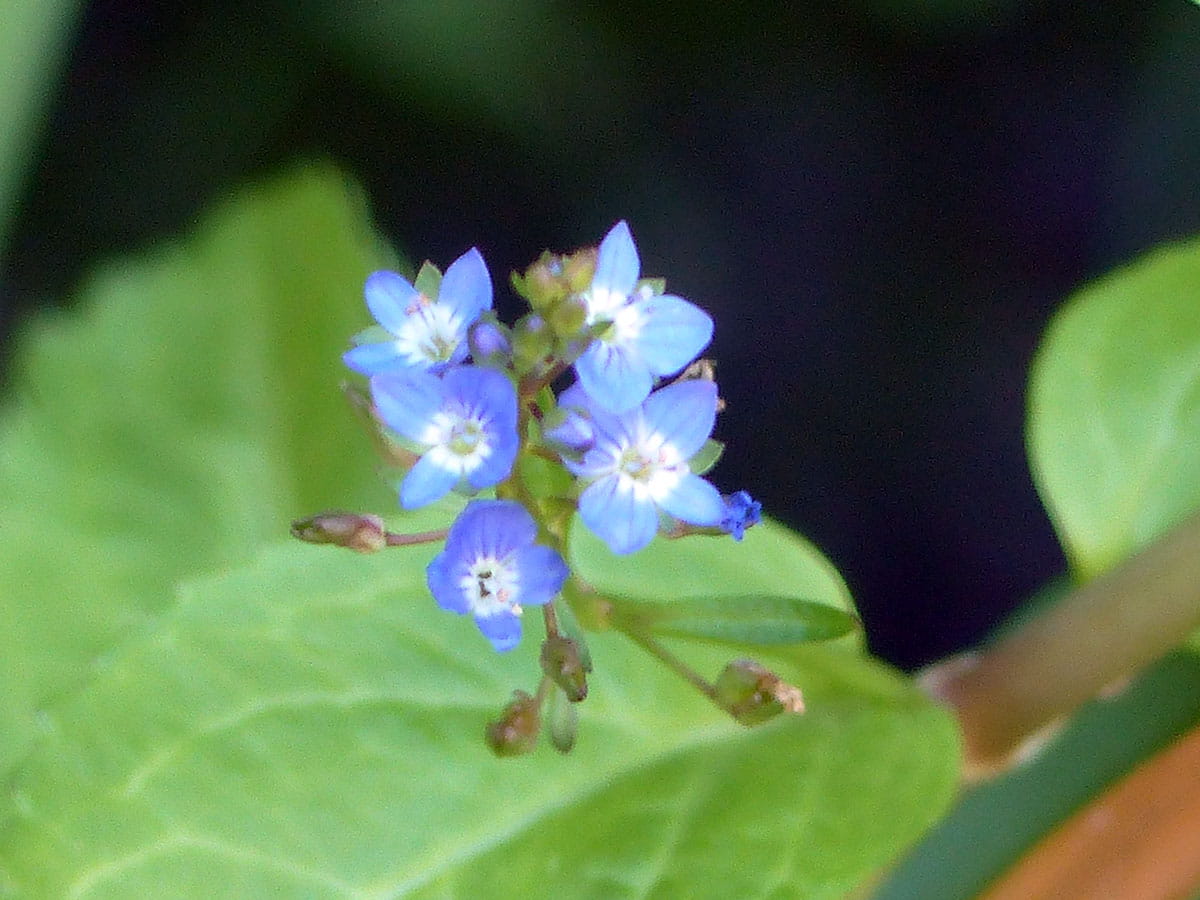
<point>311,726</point>
<point>1114,409</point>
<point>192,708</point>
<point>181,416</point>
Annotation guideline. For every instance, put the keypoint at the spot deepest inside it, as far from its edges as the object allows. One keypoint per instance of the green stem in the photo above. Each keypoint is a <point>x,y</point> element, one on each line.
<point>551,619</point>
<point>671,661</point>
<point>1102,633</point>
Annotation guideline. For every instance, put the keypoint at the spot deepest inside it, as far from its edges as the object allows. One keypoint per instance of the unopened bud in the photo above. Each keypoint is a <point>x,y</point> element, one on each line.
<point>532,340</point>
<point>363,533</point>
<point>543,283</point>
<point>562,721</point>
<point>516,731</point>
<point>563,664</point>
<point>578,269</point>
<point>752,693</point>
<point>568,318</point>
<point>489,342</point>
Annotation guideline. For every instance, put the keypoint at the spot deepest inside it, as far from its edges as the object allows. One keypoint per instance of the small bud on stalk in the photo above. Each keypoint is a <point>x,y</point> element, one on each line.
<point>562,664</point>
<point>754,694</point>
<point>516,731</point>
<point>362,533</point>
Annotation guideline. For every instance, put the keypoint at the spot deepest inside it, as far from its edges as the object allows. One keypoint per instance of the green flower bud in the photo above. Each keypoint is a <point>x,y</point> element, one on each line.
<point>568,318</point>
<point>563,664</point>
<point>753,694</point>
<point>532,342</point>
<point>562,721</point>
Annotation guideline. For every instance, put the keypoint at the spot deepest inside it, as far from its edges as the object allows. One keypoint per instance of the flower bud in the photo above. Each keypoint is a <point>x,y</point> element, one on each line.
<point>364,534</point>
<point>543,284</point>
<point>753,694</point>
<point>741,512</point>
<point>568,318</point>
<point>578,269</point>
<point>553,278</point>
<point>532,342</point>
<point>516,731</point>
<point>489,343</point>
<point>562,663</point>
<point>562,721</point>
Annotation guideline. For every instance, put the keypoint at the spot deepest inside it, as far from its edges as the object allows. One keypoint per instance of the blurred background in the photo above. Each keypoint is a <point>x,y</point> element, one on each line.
<point>880,201</point>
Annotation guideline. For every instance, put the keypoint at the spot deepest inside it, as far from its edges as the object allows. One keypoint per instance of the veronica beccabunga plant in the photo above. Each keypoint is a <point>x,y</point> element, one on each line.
<point>458,398</point>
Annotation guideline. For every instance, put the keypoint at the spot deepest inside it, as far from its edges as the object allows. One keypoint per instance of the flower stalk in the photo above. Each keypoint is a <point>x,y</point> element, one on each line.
<point>1008,694</point>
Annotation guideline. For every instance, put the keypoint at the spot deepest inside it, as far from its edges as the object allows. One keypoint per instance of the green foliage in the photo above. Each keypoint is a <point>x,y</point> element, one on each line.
<point>181,417</point>
<point>758,619</point>
<point>1114,410</point>
<point>195,704</point>
<point>310,725</point>
<point>31,41</point>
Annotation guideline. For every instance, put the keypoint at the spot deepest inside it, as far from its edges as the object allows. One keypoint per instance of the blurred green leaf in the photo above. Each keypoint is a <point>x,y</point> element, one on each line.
<point>187,412</point>
<point>755,619</point>
<point>32,42</point>
<point>1114,410</point>
<point>311,725</point>
<point>504,63</point>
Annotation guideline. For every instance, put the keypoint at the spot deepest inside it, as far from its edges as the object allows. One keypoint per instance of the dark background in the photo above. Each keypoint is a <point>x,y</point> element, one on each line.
<point>881,202</point>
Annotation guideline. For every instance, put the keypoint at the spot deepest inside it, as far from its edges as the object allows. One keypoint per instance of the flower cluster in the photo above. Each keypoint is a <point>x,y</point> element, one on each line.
<point>465,396</point>
<point>462,402</point>
<point>468,404</point>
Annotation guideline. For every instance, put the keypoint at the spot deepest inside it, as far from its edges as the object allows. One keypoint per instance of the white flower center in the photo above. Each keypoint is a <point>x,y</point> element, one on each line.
<point>430,334</point>
<point>649,467</point>
<point>491,586</point>
<point>457,442</point>
<point>603,303</point>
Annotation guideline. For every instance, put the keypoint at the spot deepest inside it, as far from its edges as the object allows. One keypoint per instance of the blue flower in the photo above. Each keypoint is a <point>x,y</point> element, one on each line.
<point>491,568</point>
<point>425,332</point>
<point>647,335</point>
<point>637,466</point>
<point>569,431</point>
<point>741,512</point>
<point>465,422</point>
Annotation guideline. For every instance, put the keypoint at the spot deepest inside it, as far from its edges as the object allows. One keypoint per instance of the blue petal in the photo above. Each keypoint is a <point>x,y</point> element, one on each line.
<point>489,395</point>
<point>696,501</point>
<point>542,574</point>
<point>673,333</point>
<point>425,483</point>
<point>407,402</point>
<point>388,297</point>
<point>483,392</point>
<point>503,630</point>
<point>617,263</point>
<point>491,528</point>
<point>614,379</point>
<point>617,517</point>
<point>444,577</point>
<point>684,413</point>
<point>495,468</point>
<point>573,434</point>
<point>467,286</point>
<point>374,359</point>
